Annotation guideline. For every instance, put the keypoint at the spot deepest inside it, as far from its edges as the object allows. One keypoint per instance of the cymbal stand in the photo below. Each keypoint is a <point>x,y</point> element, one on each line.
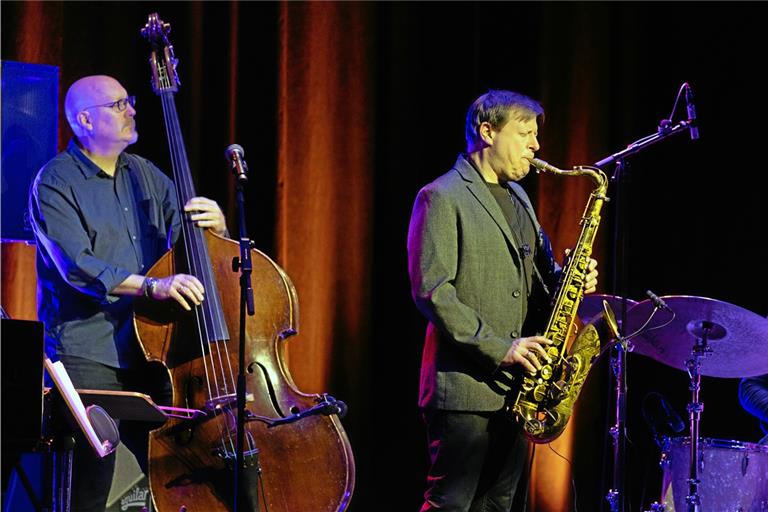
<point>695,407</point>
<point>617,432</point>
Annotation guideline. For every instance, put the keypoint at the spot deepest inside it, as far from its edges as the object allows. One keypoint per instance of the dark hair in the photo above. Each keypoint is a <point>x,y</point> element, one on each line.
<point>494,107</point>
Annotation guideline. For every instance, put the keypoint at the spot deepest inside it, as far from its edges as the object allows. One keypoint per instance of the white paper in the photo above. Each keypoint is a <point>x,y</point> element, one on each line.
<point>72,398</point>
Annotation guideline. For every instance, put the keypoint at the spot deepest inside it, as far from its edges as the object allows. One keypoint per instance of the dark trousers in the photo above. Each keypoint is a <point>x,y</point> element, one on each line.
<point>477,460</point>
<point>91,475</point>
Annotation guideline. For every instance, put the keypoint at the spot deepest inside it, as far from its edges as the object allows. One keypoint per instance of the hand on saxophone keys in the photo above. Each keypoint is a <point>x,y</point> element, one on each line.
<point>590,283</point>
<point>590,280</point>
<point>528,352</point>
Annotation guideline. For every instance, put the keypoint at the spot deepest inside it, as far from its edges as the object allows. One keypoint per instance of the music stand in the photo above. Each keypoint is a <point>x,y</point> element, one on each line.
<point>102,434</point>
<point>124,405</point>
<point>96,425</point>
<point>100,443</point>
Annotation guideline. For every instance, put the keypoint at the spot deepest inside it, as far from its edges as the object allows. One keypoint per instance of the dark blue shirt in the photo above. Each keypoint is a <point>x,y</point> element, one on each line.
<point>93,231</point>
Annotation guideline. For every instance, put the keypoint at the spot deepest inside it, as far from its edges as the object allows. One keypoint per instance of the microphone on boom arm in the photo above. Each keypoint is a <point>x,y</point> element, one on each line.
<point>691,108</point>
<point>235,155</point>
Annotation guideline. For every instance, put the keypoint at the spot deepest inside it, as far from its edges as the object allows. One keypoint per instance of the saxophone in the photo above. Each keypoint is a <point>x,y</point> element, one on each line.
<point>544,402</point>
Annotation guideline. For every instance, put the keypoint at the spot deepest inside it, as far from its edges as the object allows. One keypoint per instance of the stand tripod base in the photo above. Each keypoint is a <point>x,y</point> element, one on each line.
<point>613,498</point>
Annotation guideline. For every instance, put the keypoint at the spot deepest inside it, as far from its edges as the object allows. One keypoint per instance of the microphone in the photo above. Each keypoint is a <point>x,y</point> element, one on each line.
<point>691,112</point>
<point>660,416</point>
<point>341,409</point>
<point>327,408</point>
<point>333,406</point>
<point>660,304</point>
<point>235,155</point>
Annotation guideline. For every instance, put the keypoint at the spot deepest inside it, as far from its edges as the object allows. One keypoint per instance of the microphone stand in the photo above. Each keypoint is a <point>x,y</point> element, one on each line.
<point>244,265</point>
<point>665,130</point>
<point>616,496</point>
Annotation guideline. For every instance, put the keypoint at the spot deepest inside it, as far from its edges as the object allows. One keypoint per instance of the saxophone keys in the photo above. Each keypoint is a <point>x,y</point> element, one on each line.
<point>533,427</point>
<point>527,384</point>
<point>558,391</point>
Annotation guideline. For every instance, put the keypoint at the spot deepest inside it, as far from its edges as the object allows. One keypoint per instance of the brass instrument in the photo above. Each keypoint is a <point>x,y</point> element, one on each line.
<point>544,402</point>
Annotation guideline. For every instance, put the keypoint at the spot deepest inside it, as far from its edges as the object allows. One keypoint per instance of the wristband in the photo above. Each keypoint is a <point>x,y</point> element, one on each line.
<point>149,285</point>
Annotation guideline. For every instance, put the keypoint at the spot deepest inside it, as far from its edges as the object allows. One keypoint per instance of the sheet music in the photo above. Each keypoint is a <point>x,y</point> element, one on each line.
<point>64,384</point>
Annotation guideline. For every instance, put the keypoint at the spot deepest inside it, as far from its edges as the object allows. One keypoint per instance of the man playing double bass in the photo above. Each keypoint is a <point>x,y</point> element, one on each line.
<point>102,217</point>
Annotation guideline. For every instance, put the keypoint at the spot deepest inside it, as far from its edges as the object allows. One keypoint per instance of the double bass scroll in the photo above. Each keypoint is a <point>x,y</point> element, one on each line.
<point>299,460</point>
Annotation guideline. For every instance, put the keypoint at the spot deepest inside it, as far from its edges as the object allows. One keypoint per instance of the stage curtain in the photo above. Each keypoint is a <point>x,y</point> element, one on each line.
<point>326,126</point>
<point>324,197</point>
<point>571,136</point>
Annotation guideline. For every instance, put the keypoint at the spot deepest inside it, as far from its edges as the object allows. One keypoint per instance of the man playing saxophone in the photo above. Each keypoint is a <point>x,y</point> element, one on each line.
<point>482,272</point>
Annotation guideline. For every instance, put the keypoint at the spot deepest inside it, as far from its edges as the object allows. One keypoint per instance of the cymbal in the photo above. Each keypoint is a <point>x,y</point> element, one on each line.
<point>736,344</point>
<point>592,305</point>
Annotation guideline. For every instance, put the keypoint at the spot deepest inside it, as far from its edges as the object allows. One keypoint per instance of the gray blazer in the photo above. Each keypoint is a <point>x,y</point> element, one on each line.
<point>465,269</point>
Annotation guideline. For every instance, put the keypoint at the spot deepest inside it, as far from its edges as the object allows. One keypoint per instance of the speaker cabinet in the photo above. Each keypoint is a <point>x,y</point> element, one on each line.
<point>30,97</point>
<point>130,488</point>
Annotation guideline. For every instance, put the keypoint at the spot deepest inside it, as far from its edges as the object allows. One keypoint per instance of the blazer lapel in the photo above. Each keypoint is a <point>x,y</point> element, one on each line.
<point>544,247</point>
<point>479,190</point>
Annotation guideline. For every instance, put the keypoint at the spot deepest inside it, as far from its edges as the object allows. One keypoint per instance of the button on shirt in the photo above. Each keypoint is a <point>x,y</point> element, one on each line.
<point>93,231</point>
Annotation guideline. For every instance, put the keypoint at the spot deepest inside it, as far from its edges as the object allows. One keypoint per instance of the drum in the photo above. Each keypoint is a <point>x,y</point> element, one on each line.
<point>733,475</point>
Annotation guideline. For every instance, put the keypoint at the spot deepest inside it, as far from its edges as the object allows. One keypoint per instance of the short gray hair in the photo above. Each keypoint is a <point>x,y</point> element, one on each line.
<point>494,107</point>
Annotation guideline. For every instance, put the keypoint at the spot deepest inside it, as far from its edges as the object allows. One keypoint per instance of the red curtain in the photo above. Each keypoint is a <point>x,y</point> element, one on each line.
<point>326,97</point>
<point>324,199</point>
<point>571,136</point>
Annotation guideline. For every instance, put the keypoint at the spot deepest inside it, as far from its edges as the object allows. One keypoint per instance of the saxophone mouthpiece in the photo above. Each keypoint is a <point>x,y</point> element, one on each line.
<point>542,166</point>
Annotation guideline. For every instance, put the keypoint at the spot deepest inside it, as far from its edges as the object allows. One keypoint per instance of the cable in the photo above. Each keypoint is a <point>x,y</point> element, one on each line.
<point>573,481</point>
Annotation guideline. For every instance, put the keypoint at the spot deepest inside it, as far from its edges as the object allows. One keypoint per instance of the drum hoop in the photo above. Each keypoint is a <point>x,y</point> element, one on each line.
<point>709,442</point>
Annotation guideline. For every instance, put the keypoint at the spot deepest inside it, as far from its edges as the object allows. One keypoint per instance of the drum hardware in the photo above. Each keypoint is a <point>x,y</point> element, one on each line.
<point>592,306</point>
<point>695,407</point>
<point>618,430</point>
<point>618,366</point>
<point>723,346</point>
<point>589,314</point>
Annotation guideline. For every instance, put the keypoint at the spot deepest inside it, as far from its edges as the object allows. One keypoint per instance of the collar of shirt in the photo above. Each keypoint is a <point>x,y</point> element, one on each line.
<point>86,165</point>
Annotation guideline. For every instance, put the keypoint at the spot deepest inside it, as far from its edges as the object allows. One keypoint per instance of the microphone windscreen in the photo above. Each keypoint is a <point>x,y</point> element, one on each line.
<point>234,148</point>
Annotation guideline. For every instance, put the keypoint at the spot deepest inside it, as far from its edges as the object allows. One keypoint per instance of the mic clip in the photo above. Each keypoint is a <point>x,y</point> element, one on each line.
<point>665,127</point>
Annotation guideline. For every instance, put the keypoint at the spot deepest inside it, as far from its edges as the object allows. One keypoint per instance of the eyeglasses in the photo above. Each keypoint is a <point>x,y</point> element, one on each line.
<point>119,105</point>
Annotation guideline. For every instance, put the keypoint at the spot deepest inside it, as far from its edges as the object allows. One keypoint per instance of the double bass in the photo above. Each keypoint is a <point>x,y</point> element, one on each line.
<point>296,455</point>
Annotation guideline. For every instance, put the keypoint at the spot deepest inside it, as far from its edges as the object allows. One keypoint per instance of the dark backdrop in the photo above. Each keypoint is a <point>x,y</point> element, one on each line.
<point>606,73</point>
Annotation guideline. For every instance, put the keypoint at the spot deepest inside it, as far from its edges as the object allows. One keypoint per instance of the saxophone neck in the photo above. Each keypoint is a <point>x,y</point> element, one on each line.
<point>595,173</point>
